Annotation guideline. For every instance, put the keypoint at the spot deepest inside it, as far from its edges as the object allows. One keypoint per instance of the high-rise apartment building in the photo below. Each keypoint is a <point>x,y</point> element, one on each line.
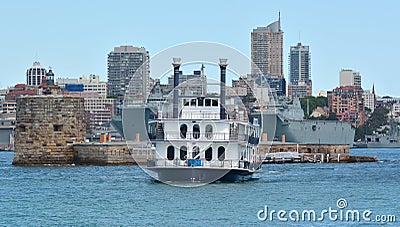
<point>35,74</point>
<point>347,103</point>
<point>128,69</point>
<point>267,50</point>
<point>348,77</point>
<point>300,84</point>
<point>299,63</point>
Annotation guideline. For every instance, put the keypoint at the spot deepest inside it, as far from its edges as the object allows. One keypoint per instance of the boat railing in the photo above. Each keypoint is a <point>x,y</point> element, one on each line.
<point>201,136</point>
<point>198,163</point>
<point>199,115</point>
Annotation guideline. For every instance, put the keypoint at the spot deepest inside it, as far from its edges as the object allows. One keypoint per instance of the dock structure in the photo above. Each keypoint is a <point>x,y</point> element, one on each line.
<point>284,152</point>
<point>111,153</point>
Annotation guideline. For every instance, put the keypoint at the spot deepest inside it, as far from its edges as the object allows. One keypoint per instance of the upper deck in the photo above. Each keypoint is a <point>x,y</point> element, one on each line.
<point>200,108</point>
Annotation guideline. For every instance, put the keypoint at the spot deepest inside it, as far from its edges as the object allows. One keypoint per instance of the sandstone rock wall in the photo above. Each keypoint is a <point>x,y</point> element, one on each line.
<point>110,154</point>
<point>47,127</point>
<point>102,154</point>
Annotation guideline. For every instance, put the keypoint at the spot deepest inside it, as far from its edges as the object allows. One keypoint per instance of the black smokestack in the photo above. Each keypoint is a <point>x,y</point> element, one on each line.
<point>222,66</point>
<point>176,63</point>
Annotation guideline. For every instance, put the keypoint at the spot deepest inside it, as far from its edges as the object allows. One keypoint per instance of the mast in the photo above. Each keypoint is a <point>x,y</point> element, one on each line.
<point>176,63</point>
<point>222,65</point>
<point>203,81</point>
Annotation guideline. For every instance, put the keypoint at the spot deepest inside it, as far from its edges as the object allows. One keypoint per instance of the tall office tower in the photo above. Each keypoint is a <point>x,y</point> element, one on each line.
<point>128,69</point>
<point>35,74</point>
<point>349,77</point>
<point>300,84</point>
<point>267,50</point>
<point>299,63</point>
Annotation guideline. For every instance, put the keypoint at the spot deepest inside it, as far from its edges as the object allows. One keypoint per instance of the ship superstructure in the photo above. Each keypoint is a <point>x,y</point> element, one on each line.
<point>201,142</point>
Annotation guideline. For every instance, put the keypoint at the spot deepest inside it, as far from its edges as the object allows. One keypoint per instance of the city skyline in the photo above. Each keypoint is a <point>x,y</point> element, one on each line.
<point>340,35</point>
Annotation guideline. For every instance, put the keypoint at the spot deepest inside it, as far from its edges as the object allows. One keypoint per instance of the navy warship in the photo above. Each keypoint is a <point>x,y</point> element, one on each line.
<point>285,122</point>
<point>391,139</point>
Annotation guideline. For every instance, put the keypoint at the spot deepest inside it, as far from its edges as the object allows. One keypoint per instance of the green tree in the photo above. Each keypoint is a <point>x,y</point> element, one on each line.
<point>377,119</point>
<point>313,103</point>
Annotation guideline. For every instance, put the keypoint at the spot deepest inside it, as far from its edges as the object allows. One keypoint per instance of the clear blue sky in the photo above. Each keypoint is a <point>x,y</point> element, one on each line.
<point>74,37</point>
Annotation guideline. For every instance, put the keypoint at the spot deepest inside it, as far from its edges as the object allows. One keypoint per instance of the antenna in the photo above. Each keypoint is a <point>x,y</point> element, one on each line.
<point>299,36</point>
<point>279,20</point>
<point>202,80</point>
<point>202,69</point>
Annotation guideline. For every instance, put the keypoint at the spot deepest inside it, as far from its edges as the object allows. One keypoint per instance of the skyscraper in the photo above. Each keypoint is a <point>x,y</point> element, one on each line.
<point>267,50</point>
<point>300,84</point>
<point>299,63</point>
<point>128,63</point>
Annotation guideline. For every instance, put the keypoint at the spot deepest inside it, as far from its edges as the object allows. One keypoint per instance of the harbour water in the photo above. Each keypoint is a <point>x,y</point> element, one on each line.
<point>125,195</point>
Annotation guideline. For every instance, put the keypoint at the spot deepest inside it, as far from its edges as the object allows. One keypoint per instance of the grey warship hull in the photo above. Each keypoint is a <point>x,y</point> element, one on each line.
<point>382,145</point>
<point>391,139</point>
<point>380,141</point>
<point>307,131</point>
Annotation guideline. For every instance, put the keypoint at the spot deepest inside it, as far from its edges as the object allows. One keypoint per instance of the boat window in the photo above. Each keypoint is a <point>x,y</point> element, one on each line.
<point>214,102</point>
<point>201,102</point>
<point>183,153</point>
<point>183,130</point>
<point>196,152</point>
<point>193,102</point>
<point>209,132</point>
<point>221,153</point>
<point>208,154</point>
<point>186,102</point>
<point>208,102</point>
<point>170,153</point>
<point>196,131</point>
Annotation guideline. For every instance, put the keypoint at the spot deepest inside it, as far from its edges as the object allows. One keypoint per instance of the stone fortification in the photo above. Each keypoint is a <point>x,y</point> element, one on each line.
<point>47,128</point>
